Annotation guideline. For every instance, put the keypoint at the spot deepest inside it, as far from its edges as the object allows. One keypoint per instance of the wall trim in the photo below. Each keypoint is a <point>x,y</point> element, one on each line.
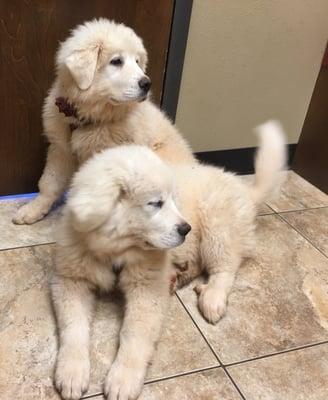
<point>175,56</point>
<point>238,160</point>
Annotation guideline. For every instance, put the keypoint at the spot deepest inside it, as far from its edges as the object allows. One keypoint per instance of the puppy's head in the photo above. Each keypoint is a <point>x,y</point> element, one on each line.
<point>125,197</point>
<point>106,61</point>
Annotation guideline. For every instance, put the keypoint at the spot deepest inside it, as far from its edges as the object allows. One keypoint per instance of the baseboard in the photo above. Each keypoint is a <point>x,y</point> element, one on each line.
<point>240,161</point>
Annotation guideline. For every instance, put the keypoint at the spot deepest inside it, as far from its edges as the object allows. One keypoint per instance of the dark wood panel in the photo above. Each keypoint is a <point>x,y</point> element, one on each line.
<point>311,157</point>
<point>30,31</point>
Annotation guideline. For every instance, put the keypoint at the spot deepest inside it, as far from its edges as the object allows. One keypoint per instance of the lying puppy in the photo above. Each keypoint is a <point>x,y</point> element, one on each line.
<point>98,100</point>
<point>221,209</point>
<point>116,230</point>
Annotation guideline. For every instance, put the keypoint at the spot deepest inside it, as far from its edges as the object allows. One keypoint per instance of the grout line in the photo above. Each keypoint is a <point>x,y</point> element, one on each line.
<point>301,209</point>
<point>27,246</point>
<point>199,330</point>
<point>234,383</point>
<point>272,209</point>
<point>211,348</point>
<point>181,374</point>
<point>90,396</point>
<point>278,353</point>
<point>265,214</point>
<point>302,234</point>
<point>165,378</point>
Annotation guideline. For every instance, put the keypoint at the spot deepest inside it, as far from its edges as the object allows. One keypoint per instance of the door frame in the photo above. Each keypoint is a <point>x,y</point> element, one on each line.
<point>175,58</point>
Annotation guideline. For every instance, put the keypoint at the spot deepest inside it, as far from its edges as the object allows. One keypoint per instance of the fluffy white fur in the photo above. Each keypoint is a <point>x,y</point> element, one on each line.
<point>114,223</point>
<point>129,217</point>
<point>108,95</point>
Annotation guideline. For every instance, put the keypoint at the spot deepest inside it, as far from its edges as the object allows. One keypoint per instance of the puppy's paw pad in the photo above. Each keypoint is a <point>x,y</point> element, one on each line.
<point>72,378</point>
<point>123,383</point>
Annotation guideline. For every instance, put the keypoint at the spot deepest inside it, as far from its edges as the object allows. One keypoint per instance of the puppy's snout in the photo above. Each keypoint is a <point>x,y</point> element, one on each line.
<point>145,84</point>
<point>184,229</point>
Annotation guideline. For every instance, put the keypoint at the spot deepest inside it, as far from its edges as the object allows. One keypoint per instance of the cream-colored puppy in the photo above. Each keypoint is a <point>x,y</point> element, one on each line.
<point>98,100</point>
<point>117,229</point>
<point>118,224</point>
<point>221,209</point>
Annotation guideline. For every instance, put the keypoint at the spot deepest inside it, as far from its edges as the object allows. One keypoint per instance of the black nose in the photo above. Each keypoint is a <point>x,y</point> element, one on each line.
<point>145,84</point>
<point>184,229</point>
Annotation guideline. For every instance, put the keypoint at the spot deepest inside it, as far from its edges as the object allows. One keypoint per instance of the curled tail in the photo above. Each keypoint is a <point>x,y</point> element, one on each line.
<point>270,160</point>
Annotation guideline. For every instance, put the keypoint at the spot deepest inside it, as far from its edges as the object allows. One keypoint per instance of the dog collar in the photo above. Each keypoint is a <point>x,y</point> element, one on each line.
<point>69,110</point>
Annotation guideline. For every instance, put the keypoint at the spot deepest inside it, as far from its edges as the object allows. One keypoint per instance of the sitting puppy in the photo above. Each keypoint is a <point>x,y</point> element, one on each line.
<point>98,100</point>
<point>116,230</point>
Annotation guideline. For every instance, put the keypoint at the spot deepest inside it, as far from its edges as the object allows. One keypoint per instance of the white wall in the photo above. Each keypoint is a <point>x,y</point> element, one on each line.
<point>246,61</point>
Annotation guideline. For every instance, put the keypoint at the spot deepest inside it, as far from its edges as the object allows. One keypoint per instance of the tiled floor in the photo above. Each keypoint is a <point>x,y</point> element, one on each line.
<point>271,345</point>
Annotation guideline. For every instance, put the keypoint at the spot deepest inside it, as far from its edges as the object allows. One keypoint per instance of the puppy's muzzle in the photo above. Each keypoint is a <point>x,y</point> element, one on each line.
<point>183,229</point>
<point>145,84</point>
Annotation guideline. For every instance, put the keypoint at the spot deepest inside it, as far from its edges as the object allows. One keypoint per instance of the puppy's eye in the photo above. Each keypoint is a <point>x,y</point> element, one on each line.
<point>137,60</point>
<point>156,204</point>
<point>117,61</point>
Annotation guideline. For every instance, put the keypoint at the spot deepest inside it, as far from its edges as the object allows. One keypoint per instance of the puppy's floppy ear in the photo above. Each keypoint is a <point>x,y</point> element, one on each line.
<point>82,65</point>
<point>91,204</point>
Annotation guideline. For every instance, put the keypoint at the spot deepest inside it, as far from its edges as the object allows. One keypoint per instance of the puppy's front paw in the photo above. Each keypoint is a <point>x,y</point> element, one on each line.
<point>29,213</point>
<point>123,383</point>
<point>72,375</point>
<point>211,303</point>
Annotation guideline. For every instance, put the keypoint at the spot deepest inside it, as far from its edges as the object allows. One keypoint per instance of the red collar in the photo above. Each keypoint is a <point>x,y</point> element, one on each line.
<point>65,107</point>
<point>69,110</point>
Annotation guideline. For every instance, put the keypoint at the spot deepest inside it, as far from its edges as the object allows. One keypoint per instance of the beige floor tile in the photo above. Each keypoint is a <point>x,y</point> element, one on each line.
<point>12,235</point>
<point>27,326</point>
<point>298,375</point>
<point>279,299</point>
<point>313,224</point>
<point>298,194</point>
<point>28,339</point>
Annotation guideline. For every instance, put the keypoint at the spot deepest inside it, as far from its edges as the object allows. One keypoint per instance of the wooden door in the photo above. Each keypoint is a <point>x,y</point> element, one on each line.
<point>30,31</point>
<point>311,157</point>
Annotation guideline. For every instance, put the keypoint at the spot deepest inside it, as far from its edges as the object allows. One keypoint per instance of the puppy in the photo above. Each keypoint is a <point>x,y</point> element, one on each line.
<point>98,100</point>
<point>127,220</point>
<point>222,209</point>
<point>115,232</point>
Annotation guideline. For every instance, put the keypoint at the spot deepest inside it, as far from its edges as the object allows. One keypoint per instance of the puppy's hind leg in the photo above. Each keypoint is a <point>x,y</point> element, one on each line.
<point>221,263</point>
<point>73,303</point>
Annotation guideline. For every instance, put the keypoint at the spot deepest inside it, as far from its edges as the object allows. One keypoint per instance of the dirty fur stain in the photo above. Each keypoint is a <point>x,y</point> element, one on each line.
<point>317,292</point>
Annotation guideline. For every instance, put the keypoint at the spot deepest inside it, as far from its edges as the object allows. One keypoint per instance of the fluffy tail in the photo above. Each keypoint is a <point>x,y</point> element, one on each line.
<point>270,160</point>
